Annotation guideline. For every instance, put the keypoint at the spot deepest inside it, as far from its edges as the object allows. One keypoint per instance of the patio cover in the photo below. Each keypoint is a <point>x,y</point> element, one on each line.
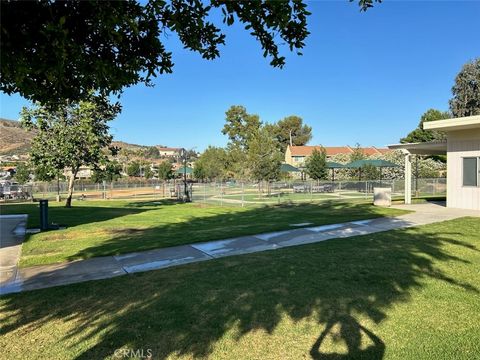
<point>334,165</point>
<point>377,163</point>
<point>182,170</point>
<point>425,148</point>
<point>288,168</point>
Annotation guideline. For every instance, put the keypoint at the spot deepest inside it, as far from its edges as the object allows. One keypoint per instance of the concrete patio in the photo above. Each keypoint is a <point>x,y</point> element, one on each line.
<point>22,279</point>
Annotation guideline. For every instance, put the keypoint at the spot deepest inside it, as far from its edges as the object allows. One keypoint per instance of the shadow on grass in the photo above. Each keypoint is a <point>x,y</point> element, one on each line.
<point>339,286</point>
<point>82,213</point>
<point>153,203</point>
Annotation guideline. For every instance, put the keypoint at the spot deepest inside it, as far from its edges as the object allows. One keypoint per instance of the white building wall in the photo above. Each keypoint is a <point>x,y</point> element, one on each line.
<point>463,143</point>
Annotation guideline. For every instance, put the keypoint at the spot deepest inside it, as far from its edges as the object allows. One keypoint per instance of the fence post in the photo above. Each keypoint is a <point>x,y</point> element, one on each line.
<point>311,191</point>
<point>204,193</point>
<point>366,189</point>
<point>243,193</point>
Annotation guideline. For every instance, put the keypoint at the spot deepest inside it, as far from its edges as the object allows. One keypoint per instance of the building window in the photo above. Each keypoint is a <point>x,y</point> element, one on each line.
<point>471,171</point>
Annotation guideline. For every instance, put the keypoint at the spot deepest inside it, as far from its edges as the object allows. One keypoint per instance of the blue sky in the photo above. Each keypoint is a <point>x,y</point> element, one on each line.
<point>364,77</point>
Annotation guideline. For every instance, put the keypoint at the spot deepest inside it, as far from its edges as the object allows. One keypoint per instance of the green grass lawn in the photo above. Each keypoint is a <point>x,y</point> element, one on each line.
<point>99,228</point>
<point>279,197</point>
<point>403,294</point>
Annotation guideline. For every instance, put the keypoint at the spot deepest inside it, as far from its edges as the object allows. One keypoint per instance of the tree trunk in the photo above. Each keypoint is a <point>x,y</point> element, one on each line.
<point>68,203</point>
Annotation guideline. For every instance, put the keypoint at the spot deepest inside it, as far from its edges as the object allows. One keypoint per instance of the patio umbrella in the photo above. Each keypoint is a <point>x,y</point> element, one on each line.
<point>288,168</point>
<point>187,170</point>
<point>377,163</point>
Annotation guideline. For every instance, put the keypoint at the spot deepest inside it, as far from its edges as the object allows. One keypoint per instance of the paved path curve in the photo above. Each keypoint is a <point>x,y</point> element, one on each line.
<point>110,266</point>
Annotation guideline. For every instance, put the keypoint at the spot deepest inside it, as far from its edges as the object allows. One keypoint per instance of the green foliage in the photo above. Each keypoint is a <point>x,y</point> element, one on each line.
<point>73,135</point>
<point>466,91</point>
<point>152,153</point>
<point>291,127</point>
<point>370,172</point>
<point>67,48</point>
<point>366,4</point>
<point>111,172</point>
<point>240,126</point>
<point>199,172</point>
<point>421,135</point>
<point>165,170</point>
<point>427,167</point>
<point>133,169</point>
<point>191,154</point>
<point>357,154</point>
<point>316,165</point>
<point>264,158</point>
<point>22,173</point>
<point>41,173</point>
<point>148,173</point>
<point>211,165</point>
<point>237,163</point>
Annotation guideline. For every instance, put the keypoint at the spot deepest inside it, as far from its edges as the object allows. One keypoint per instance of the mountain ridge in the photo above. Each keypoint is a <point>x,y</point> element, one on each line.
<point>15,140</point>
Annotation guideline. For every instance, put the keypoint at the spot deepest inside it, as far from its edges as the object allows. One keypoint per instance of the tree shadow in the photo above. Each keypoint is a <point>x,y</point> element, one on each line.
<point>79,214</point>
<point>351,332</point>
<point>153,203</point>
<point>341,287</point>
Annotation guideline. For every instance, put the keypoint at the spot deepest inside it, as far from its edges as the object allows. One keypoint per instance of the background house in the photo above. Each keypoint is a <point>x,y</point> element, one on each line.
<point>297,155</point>
<point>169,152</point>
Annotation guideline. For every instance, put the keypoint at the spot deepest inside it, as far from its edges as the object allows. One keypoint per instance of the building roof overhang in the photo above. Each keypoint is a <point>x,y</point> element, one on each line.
<point>462,123</point>
<point>425,148</point>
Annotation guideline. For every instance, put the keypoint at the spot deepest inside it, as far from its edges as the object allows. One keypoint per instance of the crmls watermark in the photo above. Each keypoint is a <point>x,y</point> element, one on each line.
<point>133,353</point>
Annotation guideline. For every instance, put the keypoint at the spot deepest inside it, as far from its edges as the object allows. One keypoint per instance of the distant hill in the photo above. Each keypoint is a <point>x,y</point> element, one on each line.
<point>131,147</point>
<point>14,140</point>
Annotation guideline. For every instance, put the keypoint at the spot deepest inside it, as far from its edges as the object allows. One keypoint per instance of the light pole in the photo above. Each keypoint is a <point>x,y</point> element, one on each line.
<point>186,198</point>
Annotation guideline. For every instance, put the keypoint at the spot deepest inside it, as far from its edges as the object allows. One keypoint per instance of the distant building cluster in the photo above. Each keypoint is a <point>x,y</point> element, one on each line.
<point>297,155</point>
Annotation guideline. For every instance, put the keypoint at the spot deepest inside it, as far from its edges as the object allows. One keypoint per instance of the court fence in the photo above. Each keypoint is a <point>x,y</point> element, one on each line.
<point>231,193</point>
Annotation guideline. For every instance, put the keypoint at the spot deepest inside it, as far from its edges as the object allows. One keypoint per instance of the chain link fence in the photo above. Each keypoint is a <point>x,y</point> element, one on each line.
<point>245,194</point>
<point>223,193</point>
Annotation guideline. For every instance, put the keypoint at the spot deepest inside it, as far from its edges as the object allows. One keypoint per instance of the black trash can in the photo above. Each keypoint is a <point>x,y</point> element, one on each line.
<point>43,215</point>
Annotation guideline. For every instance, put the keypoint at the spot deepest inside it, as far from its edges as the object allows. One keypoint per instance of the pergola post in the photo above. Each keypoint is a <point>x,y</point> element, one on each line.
<point>408,177</point>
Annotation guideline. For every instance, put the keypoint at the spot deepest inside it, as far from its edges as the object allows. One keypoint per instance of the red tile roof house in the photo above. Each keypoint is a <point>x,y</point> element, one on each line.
<point>296,155</point>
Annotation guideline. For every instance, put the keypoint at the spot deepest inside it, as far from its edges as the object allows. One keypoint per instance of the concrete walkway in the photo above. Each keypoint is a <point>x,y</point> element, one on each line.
<point>12,232</point>
<point>106,267</point>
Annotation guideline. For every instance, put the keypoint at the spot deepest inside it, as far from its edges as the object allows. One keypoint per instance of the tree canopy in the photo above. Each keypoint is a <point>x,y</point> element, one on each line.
<point>62,49</point>
<point>263,157</point>
<point>69,137</point>
<point>421,135</point>
<point>112,171</point>
<point>291,128</point>
<point>316,164</point>
<point>357,154</point>
<point>56,50</point>
<point>133,169</point>
<point>164,170</point>
<point>466,90</point>
<point>211,164</point>
<point>22,173</point>
<point>240,126</point>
